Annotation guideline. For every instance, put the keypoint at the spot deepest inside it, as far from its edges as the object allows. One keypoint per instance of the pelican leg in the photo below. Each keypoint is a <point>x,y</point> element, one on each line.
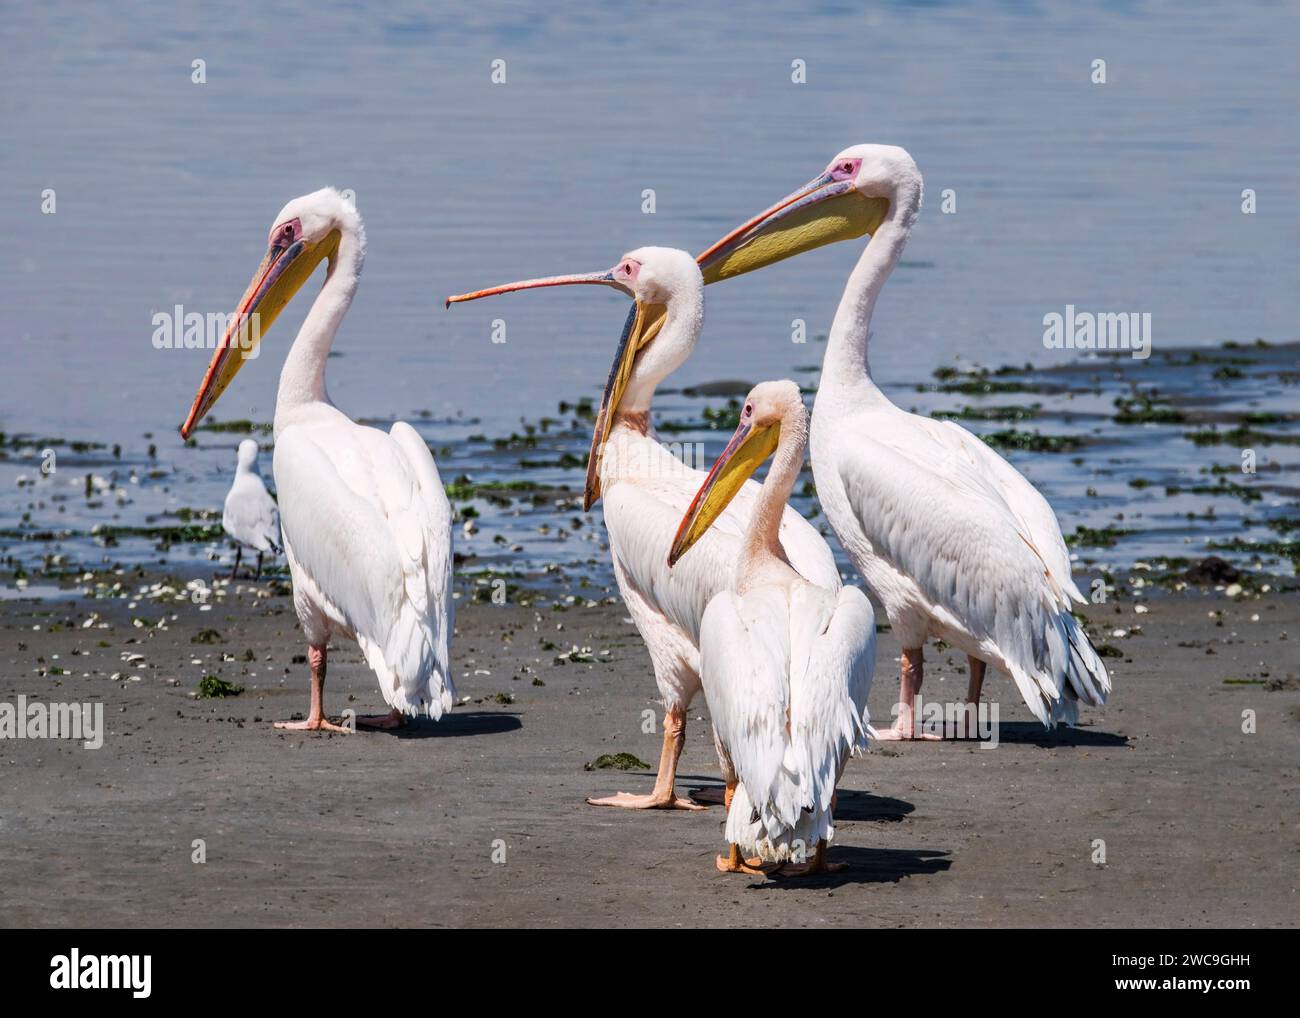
<point>239,553</point>
<point>393,719</point>
<point>664,795</point>
<point>976,682</point>
<point>316,719</point>
<point>259,568</point>
<point>733,861</point>
<point>969,718</point>
<point>909,684</point>
<point>819,866</point>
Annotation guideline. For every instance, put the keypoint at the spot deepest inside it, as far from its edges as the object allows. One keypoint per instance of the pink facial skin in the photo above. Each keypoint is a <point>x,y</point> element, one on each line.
<point>844,169</point>
<point>286,234</point>
<point>627,271</point>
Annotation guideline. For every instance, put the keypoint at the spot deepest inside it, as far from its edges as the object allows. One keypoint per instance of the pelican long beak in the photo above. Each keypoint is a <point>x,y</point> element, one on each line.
<point>282,273</point>
<point>749,447</point>
<point>643,323</point>
<point>823,211</point>
<point>605,278</point>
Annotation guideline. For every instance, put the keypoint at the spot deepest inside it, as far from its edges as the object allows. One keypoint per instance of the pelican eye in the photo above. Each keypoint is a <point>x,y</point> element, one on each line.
<point>844,169</point>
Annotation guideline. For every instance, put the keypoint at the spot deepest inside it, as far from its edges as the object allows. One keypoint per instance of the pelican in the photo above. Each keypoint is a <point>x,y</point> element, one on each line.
<point>366,522</point>
<point>956,544</point>
<point>646,490</point>
<point>250,516</point>
<point>786,664</point>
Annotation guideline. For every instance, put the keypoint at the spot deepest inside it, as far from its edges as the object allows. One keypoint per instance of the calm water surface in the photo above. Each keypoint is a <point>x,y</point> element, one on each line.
<point>1117,197</point>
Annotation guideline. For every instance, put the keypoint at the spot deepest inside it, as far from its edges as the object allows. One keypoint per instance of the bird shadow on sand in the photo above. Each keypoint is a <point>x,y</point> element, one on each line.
<point>849,804</point>
<point>865,866</point>
<point>455,725</point>
<point>1031,733</point>
<point>704,790</point>
<point>863,806</point>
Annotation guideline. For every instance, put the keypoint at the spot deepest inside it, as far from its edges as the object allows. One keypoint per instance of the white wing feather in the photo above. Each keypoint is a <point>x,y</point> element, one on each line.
<point>367,528</point>
<point>833,656</point>
<point>786,677</point>
<point>934,507</point>
<point>1026,503</point>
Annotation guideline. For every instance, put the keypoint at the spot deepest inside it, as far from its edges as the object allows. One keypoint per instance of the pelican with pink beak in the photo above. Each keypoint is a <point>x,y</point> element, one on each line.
<point>954,541</point>
<point>366,522</point>
<point>646,490</point>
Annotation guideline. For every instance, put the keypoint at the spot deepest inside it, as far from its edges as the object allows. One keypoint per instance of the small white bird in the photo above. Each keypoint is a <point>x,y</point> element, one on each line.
<point>954,541</point>
<point>250,516</point>
<point>366,522</point>
<point>786,664</point>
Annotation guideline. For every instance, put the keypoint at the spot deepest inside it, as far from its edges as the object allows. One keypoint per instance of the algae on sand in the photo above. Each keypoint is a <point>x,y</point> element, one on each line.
<point>617,762</point>
<point>212,687</point>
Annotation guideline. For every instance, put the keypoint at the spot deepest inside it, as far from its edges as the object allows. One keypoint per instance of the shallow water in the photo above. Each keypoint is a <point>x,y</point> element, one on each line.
<point>1134,472</point>
<point>1117,197</point>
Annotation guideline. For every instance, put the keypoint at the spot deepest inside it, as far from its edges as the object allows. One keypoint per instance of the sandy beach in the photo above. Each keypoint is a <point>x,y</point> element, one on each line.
<point>480,819</point>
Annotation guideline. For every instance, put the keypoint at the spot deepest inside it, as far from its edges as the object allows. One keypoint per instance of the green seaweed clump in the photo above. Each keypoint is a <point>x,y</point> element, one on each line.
<point>617,762</point>
<point>1242,437</point>
<point>240,427</point>
<point>1261,549</point>
<point>1103,537</point>
<point>1146,408</point>
<point>990,413</point>
<point>213,687</point>
<point>1225,487</point>
<point>1031,441</point>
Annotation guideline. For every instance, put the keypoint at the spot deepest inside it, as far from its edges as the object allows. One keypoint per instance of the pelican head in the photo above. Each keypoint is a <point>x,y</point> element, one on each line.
<point>849,199</point>
<point>306,232</point>
<point>658,279</point>
<point>769,407</point>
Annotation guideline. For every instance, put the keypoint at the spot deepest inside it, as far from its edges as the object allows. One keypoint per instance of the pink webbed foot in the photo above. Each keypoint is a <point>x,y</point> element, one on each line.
<point>313,724</point>
<point>382,722</point>
<point>655,800</point>
<point>901,733</point>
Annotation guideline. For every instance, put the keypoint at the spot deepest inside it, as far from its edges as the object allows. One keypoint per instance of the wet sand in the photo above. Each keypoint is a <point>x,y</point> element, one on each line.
<point>1199,819</point>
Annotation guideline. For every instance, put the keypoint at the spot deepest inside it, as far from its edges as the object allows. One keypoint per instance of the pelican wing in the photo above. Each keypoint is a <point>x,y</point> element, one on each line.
<point>425,529</point>
<point>833,658</point>
<point>744,666</point>
<point>786,675</point>
<point>940,516</point>
<point>1026,502</point>
<point>250,515</point>
<point>367,528</point>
